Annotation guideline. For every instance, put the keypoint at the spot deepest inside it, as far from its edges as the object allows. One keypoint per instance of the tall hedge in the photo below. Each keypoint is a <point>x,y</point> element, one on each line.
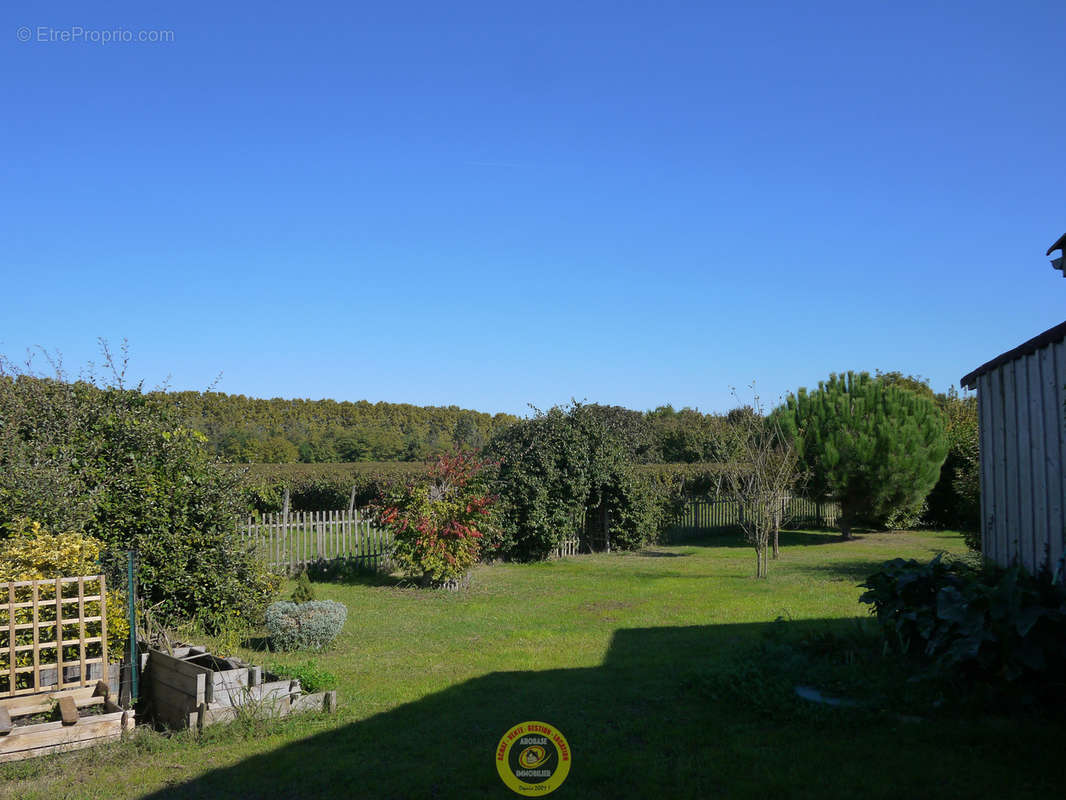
<point>322,487</point>
<point>116,465</point>
<point>554,469</point>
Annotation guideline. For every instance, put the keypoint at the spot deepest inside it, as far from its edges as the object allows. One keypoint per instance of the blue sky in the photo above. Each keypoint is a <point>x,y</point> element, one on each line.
<point>496,204</point>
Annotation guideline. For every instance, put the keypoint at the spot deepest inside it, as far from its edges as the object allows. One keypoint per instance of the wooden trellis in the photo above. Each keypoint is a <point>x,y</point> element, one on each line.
<point>56,631</point>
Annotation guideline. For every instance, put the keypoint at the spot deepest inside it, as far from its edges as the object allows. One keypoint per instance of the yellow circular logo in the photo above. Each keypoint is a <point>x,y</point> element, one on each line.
<point>533,758</point>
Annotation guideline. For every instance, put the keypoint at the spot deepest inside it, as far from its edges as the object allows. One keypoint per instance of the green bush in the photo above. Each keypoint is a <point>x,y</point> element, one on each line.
<point>304,626</point>
<point>572,463</point>
<point>983,622</point>
<point>114,464</point>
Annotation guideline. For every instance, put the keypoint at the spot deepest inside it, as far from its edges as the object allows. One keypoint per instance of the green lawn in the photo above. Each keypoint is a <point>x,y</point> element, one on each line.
<point>670,671</point>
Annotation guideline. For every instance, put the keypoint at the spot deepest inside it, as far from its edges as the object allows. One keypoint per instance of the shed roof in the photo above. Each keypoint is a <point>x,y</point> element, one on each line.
<point>1060,244</point>
<point>1056,334</point>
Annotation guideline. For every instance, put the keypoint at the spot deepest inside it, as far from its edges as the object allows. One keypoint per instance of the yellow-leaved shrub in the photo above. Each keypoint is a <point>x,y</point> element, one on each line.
<point>33,553</point>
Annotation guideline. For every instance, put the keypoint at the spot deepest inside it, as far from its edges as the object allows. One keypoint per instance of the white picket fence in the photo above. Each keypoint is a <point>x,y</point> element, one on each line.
<point>291,542</point>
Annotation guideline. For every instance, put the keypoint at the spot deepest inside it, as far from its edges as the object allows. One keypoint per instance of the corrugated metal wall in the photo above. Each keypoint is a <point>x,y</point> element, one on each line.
<point>1023,483</point>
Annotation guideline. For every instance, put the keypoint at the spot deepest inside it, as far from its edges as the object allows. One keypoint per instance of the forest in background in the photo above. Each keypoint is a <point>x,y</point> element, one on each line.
<point>243,430</point>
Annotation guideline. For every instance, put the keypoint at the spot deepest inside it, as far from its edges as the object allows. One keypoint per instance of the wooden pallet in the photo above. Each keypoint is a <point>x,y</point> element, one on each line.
<point>73,731</point>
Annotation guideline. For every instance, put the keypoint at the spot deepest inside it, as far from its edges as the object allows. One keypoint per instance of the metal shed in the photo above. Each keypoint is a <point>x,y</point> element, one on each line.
<point>1020,405</point>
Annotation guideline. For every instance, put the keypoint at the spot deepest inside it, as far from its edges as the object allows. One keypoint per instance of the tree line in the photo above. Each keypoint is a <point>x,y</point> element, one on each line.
<point>243,430</point>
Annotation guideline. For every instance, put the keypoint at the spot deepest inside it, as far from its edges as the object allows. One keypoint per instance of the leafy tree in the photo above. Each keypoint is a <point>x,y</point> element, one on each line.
<point>563,464</point>
<point>873,446</point>
<point>955,501</point>
<point>114,463</point>
<point>687,436</point>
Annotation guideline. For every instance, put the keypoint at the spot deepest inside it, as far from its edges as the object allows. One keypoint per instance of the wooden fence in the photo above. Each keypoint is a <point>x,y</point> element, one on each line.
<point>290,542</point>
<point>708,514</point>
<point>53,634</point>
<point>568,546</point>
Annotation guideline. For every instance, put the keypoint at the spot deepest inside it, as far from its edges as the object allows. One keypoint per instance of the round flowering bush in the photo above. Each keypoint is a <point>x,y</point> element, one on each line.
<point>438,527</point>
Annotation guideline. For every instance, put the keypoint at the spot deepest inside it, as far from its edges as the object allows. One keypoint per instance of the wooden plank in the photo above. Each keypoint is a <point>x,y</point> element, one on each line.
<point>997,466</point>
<point>68,712</point>
<point>1023,467</point>
<point>12,664</point>
<point>984,430</point>
<point>39,703</point>
<point>36,638</point>
<point>59,633</point>
<point>5,721</point>
<point>1056,453</point>
<point>52,737</point>
<point>182,667</point>
<point>308,702</point>
<point>81,630</point>
<point>164,695</point>
<point>187,686</point>
<point>1037,445</point>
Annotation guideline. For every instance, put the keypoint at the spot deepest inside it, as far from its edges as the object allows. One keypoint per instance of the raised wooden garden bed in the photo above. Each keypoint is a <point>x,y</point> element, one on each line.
<point>86,717</point>
<point>190,688</point>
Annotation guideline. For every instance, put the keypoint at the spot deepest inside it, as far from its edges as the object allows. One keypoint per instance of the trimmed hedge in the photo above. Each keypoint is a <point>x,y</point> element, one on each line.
<point>322,487</point>
<point>325,487</point>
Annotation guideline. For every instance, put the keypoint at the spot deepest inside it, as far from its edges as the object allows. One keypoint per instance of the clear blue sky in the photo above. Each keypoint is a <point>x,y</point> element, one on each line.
<point>494,204</point>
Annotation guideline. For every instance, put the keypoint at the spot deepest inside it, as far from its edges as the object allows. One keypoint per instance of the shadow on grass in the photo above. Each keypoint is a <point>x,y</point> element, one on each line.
<point>853,571</point>
<point>671,712</point>
<point>659,554</point>
<point>339,572</point>
<point>702,537</point>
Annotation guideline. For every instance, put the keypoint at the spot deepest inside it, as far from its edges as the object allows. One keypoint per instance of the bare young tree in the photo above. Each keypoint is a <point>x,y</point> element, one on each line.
<point>758,476</point>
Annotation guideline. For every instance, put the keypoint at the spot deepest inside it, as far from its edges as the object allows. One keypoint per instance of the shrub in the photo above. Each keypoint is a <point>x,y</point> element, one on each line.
<point>116,465</point>
<point>999,625</point>
<point>304,626</point>
<point>32,553</point>
<point>437,528</point>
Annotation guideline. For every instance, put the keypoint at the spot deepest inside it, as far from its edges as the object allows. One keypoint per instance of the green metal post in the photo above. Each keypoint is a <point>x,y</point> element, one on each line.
<point>130,593</point>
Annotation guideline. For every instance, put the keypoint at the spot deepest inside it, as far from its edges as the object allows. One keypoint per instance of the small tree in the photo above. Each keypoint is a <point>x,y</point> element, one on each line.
<point>873,446</point>
<point>760,472</point>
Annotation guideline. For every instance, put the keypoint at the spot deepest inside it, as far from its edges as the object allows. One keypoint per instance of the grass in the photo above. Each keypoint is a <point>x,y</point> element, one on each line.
<point>671,672</point>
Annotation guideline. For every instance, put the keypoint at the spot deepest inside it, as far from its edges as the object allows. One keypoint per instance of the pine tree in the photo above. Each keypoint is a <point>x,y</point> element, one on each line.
<point>872,446</point>
<point>304,592</point>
